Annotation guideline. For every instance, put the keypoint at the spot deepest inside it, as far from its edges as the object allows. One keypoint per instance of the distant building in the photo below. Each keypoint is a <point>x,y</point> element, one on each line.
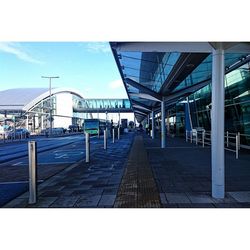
<point>30,108</point>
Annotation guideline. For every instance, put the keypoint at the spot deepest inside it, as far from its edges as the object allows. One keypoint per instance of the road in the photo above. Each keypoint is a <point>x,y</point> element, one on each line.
<point>54,154</point>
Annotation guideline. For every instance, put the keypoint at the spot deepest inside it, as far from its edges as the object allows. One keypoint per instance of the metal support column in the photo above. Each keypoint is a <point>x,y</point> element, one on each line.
<point>41,117</point>
<point>27,121</point>
<point>163,126</point>
<point>32,171</point>
<point>153,124</point>
<point>105,138</point>
<point>217,124</point>
<point>168,124</point>
<point>87,146</point>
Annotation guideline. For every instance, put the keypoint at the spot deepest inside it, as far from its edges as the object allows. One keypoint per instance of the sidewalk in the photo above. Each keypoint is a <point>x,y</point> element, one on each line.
<point>183,175</point>
<point>144,175</point>
<point>87,185</point>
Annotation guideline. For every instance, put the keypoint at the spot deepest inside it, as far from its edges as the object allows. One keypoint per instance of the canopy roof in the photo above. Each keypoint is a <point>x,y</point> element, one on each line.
<point>169,71</point>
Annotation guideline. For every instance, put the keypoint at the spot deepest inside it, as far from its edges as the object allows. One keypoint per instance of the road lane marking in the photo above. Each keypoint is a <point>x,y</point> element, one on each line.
<point>17,182</point>
<point>61,156</point>
<point>54,163</point>
<point>18,163</point>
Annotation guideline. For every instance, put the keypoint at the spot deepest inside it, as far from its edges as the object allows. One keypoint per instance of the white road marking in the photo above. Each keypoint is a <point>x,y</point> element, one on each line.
<point>112,167</point>
<point>64,151</point>
<point>18,163</point>
<point>56,162</point>
<point>169,147</point>
<point>17,182</point>
<point>61,156</point>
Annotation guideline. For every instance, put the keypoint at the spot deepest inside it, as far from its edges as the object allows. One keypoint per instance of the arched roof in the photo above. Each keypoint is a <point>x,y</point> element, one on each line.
<point>25,98</point>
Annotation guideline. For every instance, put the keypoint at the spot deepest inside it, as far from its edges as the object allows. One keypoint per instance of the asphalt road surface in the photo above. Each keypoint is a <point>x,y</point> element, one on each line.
<point>54,154</point>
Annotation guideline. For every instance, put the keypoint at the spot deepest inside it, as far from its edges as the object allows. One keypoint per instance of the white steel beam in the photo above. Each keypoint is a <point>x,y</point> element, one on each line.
<point>194,47</point>
<point>145,96</point>
<point>143,89</point>
<point>153,124</point>
<point>163,126</point>
<point>217,124</point>
<point>140,112</point>
<point>182,47</point>
<point>140,107</point>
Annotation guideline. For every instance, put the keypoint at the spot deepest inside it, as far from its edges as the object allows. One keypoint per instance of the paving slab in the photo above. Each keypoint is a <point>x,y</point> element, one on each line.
<point>199,198</point>
<point>240,196</point>
<point>17,203</point>
<point>43,202</point>
<point>163,198</point>
<point>177,198</point>
<point>107,200</point>
<point>88,201</point>
<point>65,202</point>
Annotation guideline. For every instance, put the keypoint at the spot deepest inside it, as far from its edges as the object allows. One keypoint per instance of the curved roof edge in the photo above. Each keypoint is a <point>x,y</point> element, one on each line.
<point>47,94</point>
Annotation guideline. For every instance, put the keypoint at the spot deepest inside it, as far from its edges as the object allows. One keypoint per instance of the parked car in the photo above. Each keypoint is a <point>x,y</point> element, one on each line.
<point>73,128</point>
<point>20,132</point>
<point>55,131</point>
<point>4,130</point>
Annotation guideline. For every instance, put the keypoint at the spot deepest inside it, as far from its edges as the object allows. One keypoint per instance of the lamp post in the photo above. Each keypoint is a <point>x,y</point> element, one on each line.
<point>50,99</point>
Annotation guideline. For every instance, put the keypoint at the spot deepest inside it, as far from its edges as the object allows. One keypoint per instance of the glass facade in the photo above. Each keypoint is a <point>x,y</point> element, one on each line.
<point>237,103</point>
<point>148,68</point>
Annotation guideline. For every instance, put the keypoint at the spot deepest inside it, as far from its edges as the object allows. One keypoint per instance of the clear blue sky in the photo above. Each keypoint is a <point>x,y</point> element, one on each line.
<point>86,66</point>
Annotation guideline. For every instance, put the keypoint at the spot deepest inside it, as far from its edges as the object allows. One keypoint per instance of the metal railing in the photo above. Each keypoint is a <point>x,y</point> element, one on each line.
<point>13,137</point>
<point>232,140</point>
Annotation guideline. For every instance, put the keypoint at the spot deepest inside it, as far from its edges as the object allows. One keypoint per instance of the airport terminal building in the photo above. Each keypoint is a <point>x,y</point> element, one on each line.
<point>155,73</point>
<point>30,108</point>
<point>200,85</point>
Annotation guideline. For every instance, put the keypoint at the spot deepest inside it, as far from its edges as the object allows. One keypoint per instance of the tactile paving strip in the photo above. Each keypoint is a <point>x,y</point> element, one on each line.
<point>138,188</point>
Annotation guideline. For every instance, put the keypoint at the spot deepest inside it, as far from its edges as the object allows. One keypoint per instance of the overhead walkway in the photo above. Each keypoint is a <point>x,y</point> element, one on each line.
<point>103,106</point>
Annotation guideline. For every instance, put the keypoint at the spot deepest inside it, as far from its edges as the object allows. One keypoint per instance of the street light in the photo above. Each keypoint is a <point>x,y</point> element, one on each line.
<point>50,110</point>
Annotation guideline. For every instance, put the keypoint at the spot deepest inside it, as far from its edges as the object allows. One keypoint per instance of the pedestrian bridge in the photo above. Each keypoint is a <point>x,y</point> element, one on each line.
<point>103,106</point>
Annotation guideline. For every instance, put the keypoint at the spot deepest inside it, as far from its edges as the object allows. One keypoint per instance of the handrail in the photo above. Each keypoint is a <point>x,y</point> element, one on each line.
<point>194,135</point>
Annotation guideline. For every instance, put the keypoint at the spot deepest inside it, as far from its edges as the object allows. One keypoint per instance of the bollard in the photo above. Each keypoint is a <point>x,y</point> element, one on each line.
<point>237,146</point>
<point>239,139</point>
<point>105,139</point>
<point>118,133</point>
<point>113,132</point>
<point>32,172</point>
<point>186,135</point>
<point>203,138</point>
<point>227,139</point>
<point>3,138</point>
<point>191,136</point>
<point>87,146</point>
<point>196,137</point>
